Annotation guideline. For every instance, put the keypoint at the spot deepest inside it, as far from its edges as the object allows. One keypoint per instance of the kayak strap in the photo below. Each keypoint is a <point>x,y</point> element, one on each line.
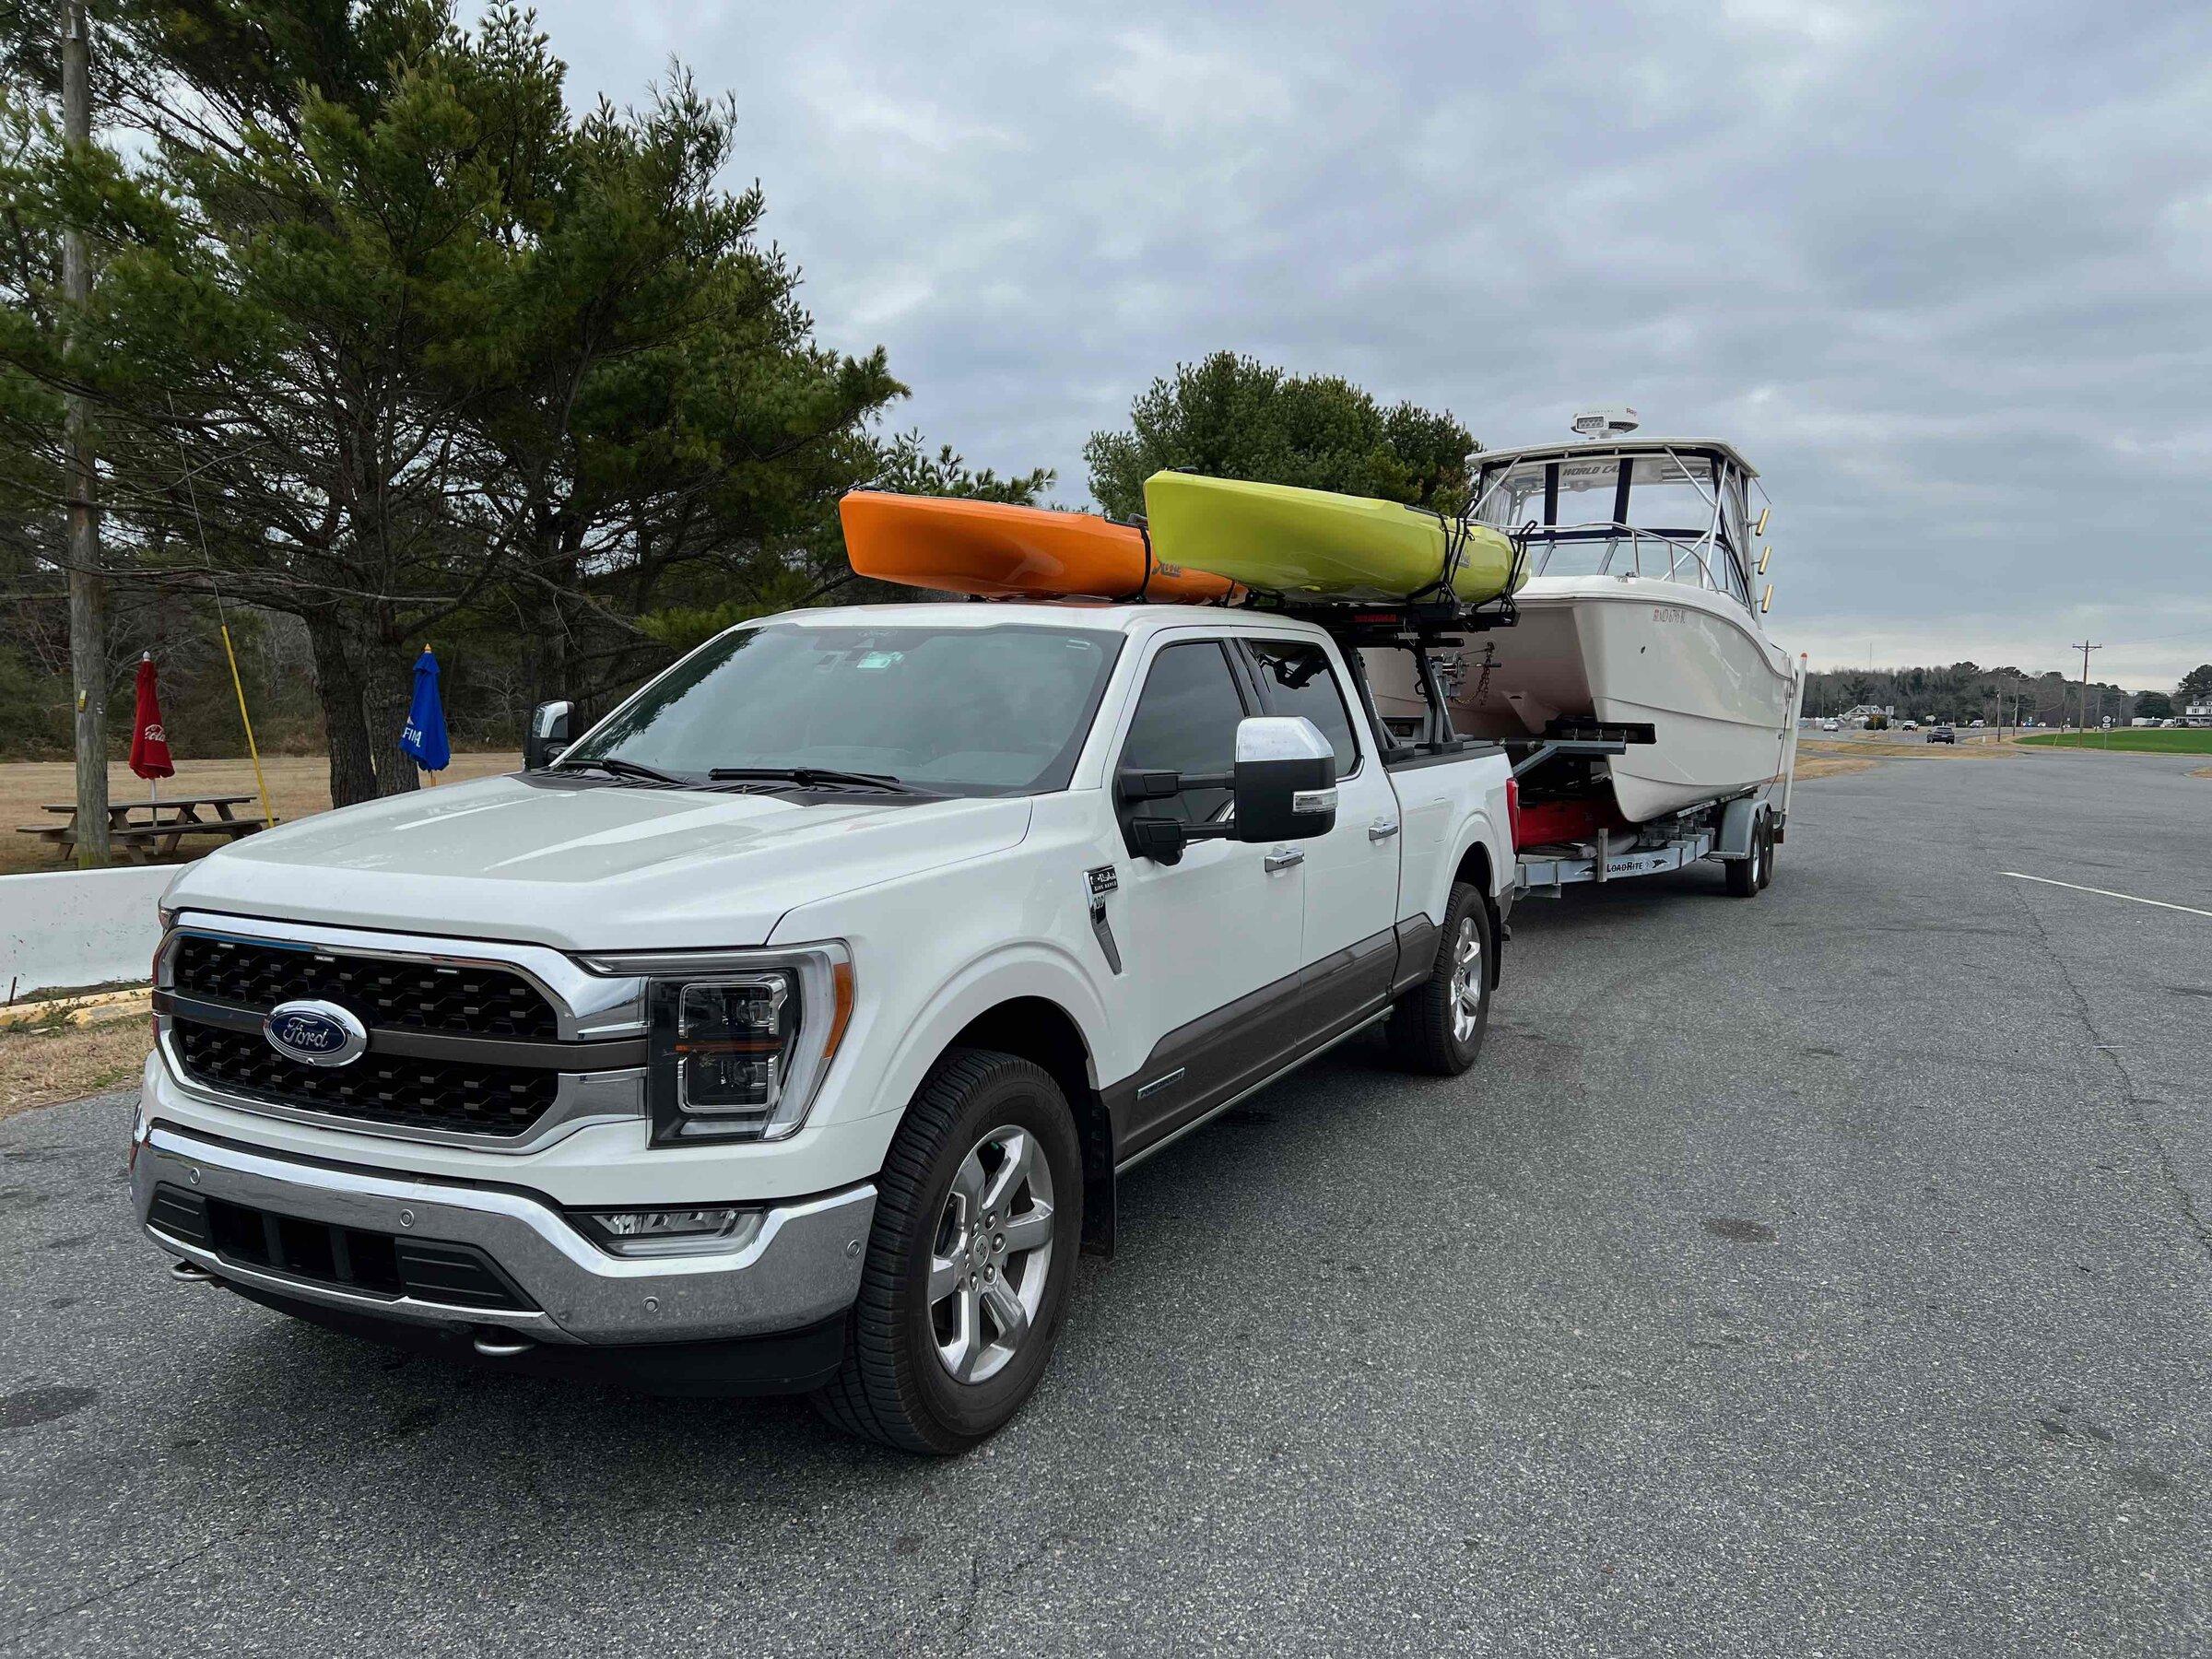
<point>1144,533</point>
<point>1457,533</point>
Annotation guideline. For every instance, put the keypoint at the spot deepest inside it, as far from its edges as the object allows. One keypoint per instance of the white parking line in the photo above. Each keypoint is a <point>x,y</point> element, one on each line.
<point>2106,893</point>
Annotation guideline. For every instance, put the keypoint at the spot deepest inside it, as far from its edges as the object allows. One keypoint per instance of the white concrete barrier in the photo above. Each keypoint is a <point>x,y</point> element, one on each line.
<point>79,927</point>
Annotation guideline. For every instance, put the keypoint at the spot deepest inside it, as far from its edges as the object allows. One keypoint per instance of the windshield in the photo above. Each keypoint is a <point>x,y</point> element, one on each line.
<point>954,711</point>
<point>1685,512</point>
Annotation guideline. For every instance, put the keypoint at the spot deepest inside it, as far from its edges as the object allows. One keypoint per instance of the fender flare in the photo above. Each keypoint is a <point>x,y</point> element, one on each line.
<point>1023,969</point>
<point>1474,830</point>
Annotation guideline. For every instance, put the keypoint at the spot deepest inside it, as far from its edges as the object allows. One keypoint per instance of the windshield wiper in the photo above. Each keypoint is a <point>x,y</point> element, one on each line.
<point>811,777</point>
<point>613,766</point>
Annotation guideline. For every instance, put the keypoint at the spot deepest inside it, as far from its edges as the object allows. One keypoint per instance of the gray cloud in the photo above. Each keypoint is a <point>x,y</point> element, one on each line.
<point>1942,271</point>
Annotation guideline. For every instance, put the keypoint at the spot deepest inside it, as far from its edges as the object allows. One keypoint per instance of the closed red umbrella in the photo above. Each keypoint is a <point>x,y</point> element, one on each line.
<point>149,740</point>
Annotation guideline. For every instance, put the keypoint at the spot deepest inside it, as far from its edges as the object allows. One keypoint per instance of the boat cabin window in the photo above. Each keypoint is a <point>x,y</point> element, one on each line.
<point>1676,517</point>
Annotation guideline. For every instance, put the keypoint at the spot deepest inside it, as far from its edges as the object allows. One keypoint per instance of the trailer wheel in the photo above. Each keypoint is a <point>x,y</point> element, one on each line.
<point>1766,871</point>
<point>979,1215</point>
<point>1747,875</point>
<point>1438,1025</point>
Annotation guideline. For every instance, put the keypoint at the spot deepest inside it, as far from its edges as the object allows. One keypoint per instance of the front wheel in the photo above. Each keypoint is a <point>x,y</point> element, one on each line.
<point>979,1217</point>
<point>1747,875</point>
<point>1438,1025</point>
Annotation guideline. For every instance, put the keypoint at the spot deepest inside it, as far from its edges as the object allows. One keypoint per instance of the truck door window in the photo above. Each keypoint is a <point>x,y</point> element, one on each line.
<point>1186,722</point>
<point>1295,678</point>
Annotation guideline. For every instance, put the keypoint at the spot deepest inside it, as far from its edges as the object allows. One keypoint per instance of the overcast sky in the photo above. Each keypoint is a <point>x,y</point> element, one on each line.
<point>1941,271</point>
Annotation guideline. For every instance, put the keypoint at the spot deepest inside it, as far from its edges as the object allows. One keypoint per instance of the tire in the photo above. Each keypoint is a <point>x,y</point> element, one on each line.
<point>1765,874</point>
<point>898,1383</point>
<point>1431,1030</point>
<point>1746,875</point>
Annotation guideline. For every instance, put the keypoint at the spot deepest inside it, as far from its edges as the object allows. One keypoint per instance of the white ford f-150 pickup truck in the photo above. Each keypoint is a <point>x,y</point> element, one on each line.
<point>787,1031</point>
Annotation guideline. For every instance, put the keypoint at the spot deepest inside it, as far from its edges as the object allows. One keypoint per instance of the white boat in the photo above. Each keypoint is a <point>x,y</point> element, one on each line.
<point>1638,611</point>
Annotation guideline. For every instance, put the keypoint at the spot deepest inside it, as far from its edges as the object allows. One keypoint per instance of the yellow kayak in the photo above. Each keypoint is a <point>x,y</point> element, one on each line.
<point>1315,543</point>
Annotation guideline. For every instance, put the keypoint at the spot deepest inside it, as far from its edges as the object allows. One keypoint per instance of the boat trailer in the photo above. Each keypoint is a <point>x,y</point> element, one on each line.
<point>1718,829</point>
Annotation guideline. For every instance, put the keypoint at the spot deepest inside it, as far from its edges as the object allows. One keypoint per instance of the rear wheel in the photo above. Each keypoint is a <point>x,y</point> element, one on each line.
<point>1766,872</point>
<point>1438,1025</point>
<point>979,1215</point>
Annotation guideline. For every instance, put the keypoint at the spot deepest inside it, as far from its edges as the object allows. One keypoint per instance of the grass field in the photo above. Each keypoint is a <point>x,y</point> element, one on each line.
<point>2133,740</point>
<point>299,786</point>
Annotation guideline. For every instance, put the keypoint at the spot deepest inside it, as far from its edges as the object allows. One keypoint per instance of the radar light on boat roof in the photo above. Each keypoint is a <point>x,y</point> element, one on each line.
<point>1615,422</point>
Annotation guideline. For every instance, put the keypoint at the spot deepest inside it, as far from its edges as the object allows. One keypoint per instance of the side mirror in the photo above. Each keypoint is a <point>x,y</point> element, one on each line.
<point>548,737</point>
<point>1285,780</point>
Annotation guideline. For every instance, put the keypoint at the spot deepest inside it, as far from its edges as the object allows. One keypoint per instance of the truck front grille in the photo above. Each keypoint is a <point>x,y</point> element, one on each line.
<point>454,1095</point>
<point>462,998</point>
<point>345,1258</point>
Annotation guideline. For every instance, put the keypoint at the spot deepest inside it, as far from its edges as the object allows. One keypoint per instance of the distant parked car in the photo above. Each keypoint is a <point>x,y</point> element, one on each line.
<point>1912,725</point>
<point>1831,725</point>
<point>1941,734</point>
<point>1978,723</point>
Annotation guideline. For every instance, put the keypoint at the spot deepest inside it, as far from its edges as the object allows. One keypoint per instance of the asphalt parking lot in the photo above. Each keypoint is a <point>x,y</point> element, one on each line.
<point>1826,1274</point>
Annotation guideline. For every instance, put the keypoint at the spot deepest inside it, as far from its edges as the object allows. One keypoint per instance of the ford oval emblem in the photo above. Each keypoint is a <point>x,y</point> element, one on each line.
<point>315,1033</point>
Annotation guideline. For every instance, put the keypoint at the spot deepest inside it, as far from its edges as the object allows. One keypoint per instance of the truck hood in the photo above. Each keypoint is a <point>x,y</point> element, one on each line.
<point>591,867</point>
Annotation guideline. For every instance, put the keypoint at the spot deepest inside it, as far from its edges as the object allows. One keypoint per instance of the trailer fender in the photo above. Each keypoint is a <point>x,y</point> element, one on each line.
<point>1738,819</point>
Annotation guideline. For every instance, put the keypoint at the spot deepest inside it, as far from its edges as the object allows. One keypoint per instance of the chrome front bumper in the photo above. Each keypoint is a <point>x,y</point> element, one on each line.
<point>801,1267</point>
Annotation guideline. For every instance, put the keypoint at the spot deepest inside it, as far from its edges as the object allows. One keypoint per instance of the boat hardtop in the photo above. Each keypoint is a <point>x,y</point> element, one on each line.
<point>1485,460</point>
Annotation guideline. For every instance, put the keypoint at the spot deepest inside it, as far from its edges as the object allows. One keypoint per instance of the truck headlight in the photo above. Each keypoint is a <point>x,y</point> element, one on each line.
<point>739,1042</point>
<point>731,1044</point>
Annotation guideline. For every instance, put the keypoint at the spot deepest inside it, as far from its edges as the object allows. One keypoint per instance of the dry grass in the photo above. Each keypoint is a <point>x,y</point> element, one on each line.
<point>1833,756</point>
<point>1908,748</point>
<point>1828,766</point>
<point>299,787</point>
<point>46,1063</point>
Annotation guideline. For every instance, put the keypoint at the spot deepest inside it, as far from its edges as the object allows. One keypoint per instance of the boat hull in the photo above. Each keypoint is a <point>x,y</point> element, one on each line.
<point>1687,662</point>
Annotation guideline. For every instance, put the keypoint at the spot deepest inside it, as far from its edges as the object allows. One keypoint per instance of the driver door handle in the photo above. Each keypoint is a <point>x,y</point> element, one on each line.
<point>1284,858</point>
<point>1381,830</point>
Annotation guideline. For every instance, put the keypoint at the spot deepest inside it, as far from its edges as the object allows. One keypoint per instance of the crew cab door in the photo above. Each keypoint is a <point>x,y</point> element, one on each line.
<point>1350,949</point>
<point>1211,945</point>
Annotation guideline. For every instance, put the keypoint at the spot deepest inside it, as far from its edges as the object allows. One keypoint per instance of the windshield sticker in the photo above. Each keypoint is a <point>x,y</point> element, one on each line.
<point>876,662</point>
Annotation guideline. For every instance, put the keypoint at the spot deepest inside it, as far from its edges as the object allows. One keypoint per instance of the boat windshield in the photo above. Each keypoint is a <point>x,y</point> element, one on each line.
<point>1677,517</point>
<point>945,711</point>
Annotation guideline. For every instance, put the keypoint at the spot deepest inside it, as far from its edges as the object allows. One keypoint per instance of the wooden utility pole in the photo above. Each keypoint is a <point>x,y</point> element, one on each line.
<point>2085,651</point>
<point>88,586</point>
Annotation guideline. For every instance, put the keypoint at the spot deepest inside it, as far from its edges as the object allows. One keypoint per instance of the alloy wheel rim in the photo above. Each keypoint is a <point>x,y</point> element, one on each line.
<point>1466,980</point>
<point>991,1255</point>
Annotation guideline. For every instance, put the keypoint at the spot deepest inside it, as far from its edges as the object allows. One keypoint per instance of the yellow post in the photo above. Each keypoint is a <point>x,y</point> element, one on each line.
<point>238,685</point>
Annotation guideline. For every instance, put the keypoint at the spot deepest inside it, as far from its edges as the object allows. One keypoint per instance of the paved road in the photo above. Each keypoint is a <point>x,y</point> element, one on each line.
<point>1732,1306</point>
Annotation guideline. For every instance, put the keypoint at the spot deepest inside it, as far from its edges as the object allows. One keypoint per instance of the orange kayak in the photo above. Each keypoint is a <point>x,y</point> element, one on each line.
<point>956,545</point>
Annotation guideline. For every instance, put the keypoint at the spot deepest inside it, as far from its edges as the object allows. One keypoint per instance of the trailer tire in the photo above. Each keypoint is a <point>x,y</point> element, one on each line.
<point>1432,1030</point>
<point>899,1384</point>
<point>1765,874</point>
<point>1747,875</point>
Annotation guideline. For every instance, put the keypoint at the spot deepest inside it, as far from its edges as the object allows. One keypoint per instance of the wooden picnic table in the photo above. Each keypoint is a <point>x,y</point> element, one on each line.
<point>140,829</point>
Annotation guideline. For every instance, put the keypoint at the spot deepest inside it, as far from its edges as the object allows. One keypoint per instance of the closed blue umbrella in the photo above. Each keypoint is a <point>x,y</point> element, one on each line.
<point>424,734</point>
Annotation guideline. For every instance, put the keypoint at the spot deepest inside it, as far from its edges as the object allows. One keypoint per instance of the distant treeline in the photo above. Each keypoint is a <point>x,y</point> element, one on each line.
<point>1967,691</point>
